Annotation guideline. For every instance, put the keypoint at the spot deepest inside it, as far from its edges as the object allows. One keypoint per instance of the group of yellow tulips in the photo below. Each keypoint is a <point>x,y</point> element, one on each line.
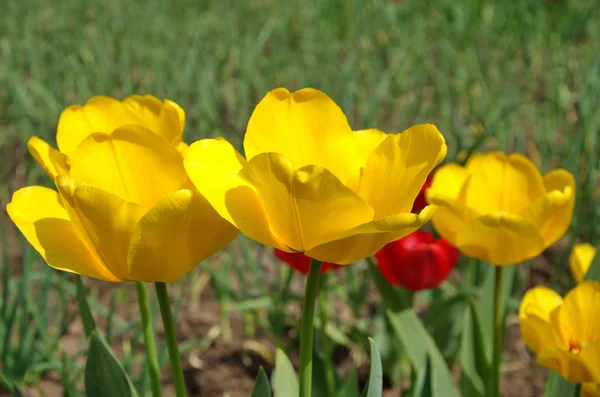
<point>133,202</point>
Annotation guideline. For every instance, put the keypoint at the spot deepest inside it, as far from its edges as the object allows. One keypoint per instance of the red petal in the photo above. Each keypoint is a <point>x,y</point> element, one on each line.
<point>300,262</point>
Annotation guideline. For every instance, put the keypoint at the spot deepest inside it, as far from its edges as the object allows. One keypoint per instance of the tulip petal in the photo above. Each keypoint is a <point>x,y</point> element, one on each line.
<point>500,239</point>
<point>397,169</point>
<point>174,236</point>
<point>304,207</point>
<point>366,142</point>
<point>110,223</point>
<point>534,314</point>
<point>213,165</point>
<point>105,114</point>
<point>448,181</point>
<point>576,368</point>
<point>307,127</point>
<point>365,240</point>
<point>553,211</point>
<point>578,317</point>
<point>39,214</point>
<point>501,183</point>
<point>590,389</point>
<point>53,161</point>
<point>581,259</point>
<point>132,163</point>
<point>451,217</point>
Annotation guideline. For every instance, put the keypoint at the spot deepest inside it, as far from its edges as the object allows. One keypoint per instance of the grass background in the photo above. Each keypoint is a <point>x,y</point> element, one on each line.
<point>518,75</point>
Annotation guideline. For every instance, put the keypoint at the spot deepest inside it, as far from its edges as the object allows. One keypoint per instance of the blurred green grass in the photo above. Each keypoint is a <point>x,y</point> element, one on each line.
<point>520,75</point>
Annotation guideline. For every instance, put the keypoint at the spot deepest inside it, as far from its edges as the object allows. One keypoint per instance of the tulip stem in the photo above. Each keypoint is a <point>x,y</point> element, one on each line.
<point>498,333</point>
<point>577,390</point>
<point>171,339</point>
<point>306,331</point>
<point>149,341</point>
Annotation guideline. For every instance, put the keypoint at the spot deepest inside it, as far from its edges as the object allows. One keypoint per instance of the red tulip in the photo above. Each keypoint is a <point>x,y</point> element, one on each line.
<point>417,261</point>
<point>301,262</point>
<point>420,201</point>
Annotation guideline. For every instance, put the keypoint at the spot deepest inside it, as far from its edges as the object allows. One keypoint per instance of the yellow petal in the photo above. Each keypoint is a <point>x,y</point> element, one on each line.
<point>304,207</point>
<point>365,240</point>
<point>307,127</point>
<point>581,259</point>
<point>500,239</point>
<point>590,389</point>
<point>451,217</point>
<point>576,368</point>
<point>105,114</point>
<point>366,142</point>
<point>534,315</point>
<point>110,222</point>
<point>178,233</point>
<point>132,163</point>
<point>397,169</point>
<point>53,162</point>
<point>213,165</point>
<point>448,181</point>
<point>39,214</point>
<point>165,118</point>
<point>501,183</point>
<point>553,211</point>
<point>578,318</point>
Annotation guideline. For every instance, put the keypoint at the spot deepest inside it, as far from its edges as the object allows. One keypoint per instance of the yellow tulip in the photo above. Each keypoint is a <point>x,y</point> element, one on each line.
<point>125,209</point>
<point>564,334</point>
<point>581,259</point>
<point>311,184</point>
<point>499,208</point>
<point>590,390</point>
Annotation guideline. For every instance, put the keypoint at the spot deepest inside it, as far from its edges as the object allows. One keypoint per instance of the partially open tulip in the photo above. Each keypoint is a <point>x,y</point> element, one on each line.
<point>581,259</point>
<point>564,334</point>
<point>311,184</point>
<point>301,263</point>
<point>499,208</point>
<point>125,209</point>
<point>417,261</point>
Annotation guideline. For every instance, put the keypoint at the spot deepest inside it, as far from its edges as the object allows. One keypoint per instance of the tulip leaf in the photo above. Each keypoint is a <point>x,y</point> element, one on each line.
<point>392,297</point>
<point>16,392</point>
<point>320,385</point>
<point>420,347</point>
<point>593,272</point>
<point>475,366</point>
<point>261,386</point>
<point>104,376</point>
<point>557,386</point>
<point>424,382</point>
<point>350,386</point>
<point>84,309</point>
<point>374,387</point>
<point>486,304</point>
<point>285,382</point>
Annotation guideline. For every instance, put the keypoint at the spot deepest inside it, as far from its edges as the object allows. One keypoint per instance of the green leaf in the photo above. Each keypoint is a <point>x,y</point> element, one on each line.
<point>424,381</point>
<point>16,392</point>
<point>350,387</point>
<point>261,386</point>
<point>285,382</point>
<point>486,305</point>
<point>320,385</point>
<point>419,345</point>
<point>475,366</point>
<point>374,387</point>
<point>84,309</point>
<point>392,297</point>
<point>104,376</point>
<point>557,386</point>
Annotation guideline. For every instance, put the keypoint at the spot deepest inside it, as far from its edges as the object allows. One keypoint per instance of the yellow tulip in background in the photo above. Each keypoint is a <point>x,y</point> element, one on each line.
<point>565,334</point>
<point>309,183</point>
<point>125,209</point>
<point>581,259</point>
<point>499,208</point>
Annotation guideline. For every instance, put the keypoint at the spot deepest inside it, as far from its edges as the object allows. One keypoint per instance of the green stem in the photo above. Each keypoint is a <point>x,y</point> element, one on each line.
<point>578,390</point>
<point>411,299</point>
<point>171,339</point>
<point>325,341</point>
<point>149,341</point>
<point>306,332</point>
<point>498,333</point>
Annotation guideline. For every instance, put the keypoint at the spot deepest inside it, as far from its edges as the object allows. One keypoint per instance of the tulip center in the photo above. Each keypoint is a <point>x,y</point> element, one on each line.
<point>575,347</point>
